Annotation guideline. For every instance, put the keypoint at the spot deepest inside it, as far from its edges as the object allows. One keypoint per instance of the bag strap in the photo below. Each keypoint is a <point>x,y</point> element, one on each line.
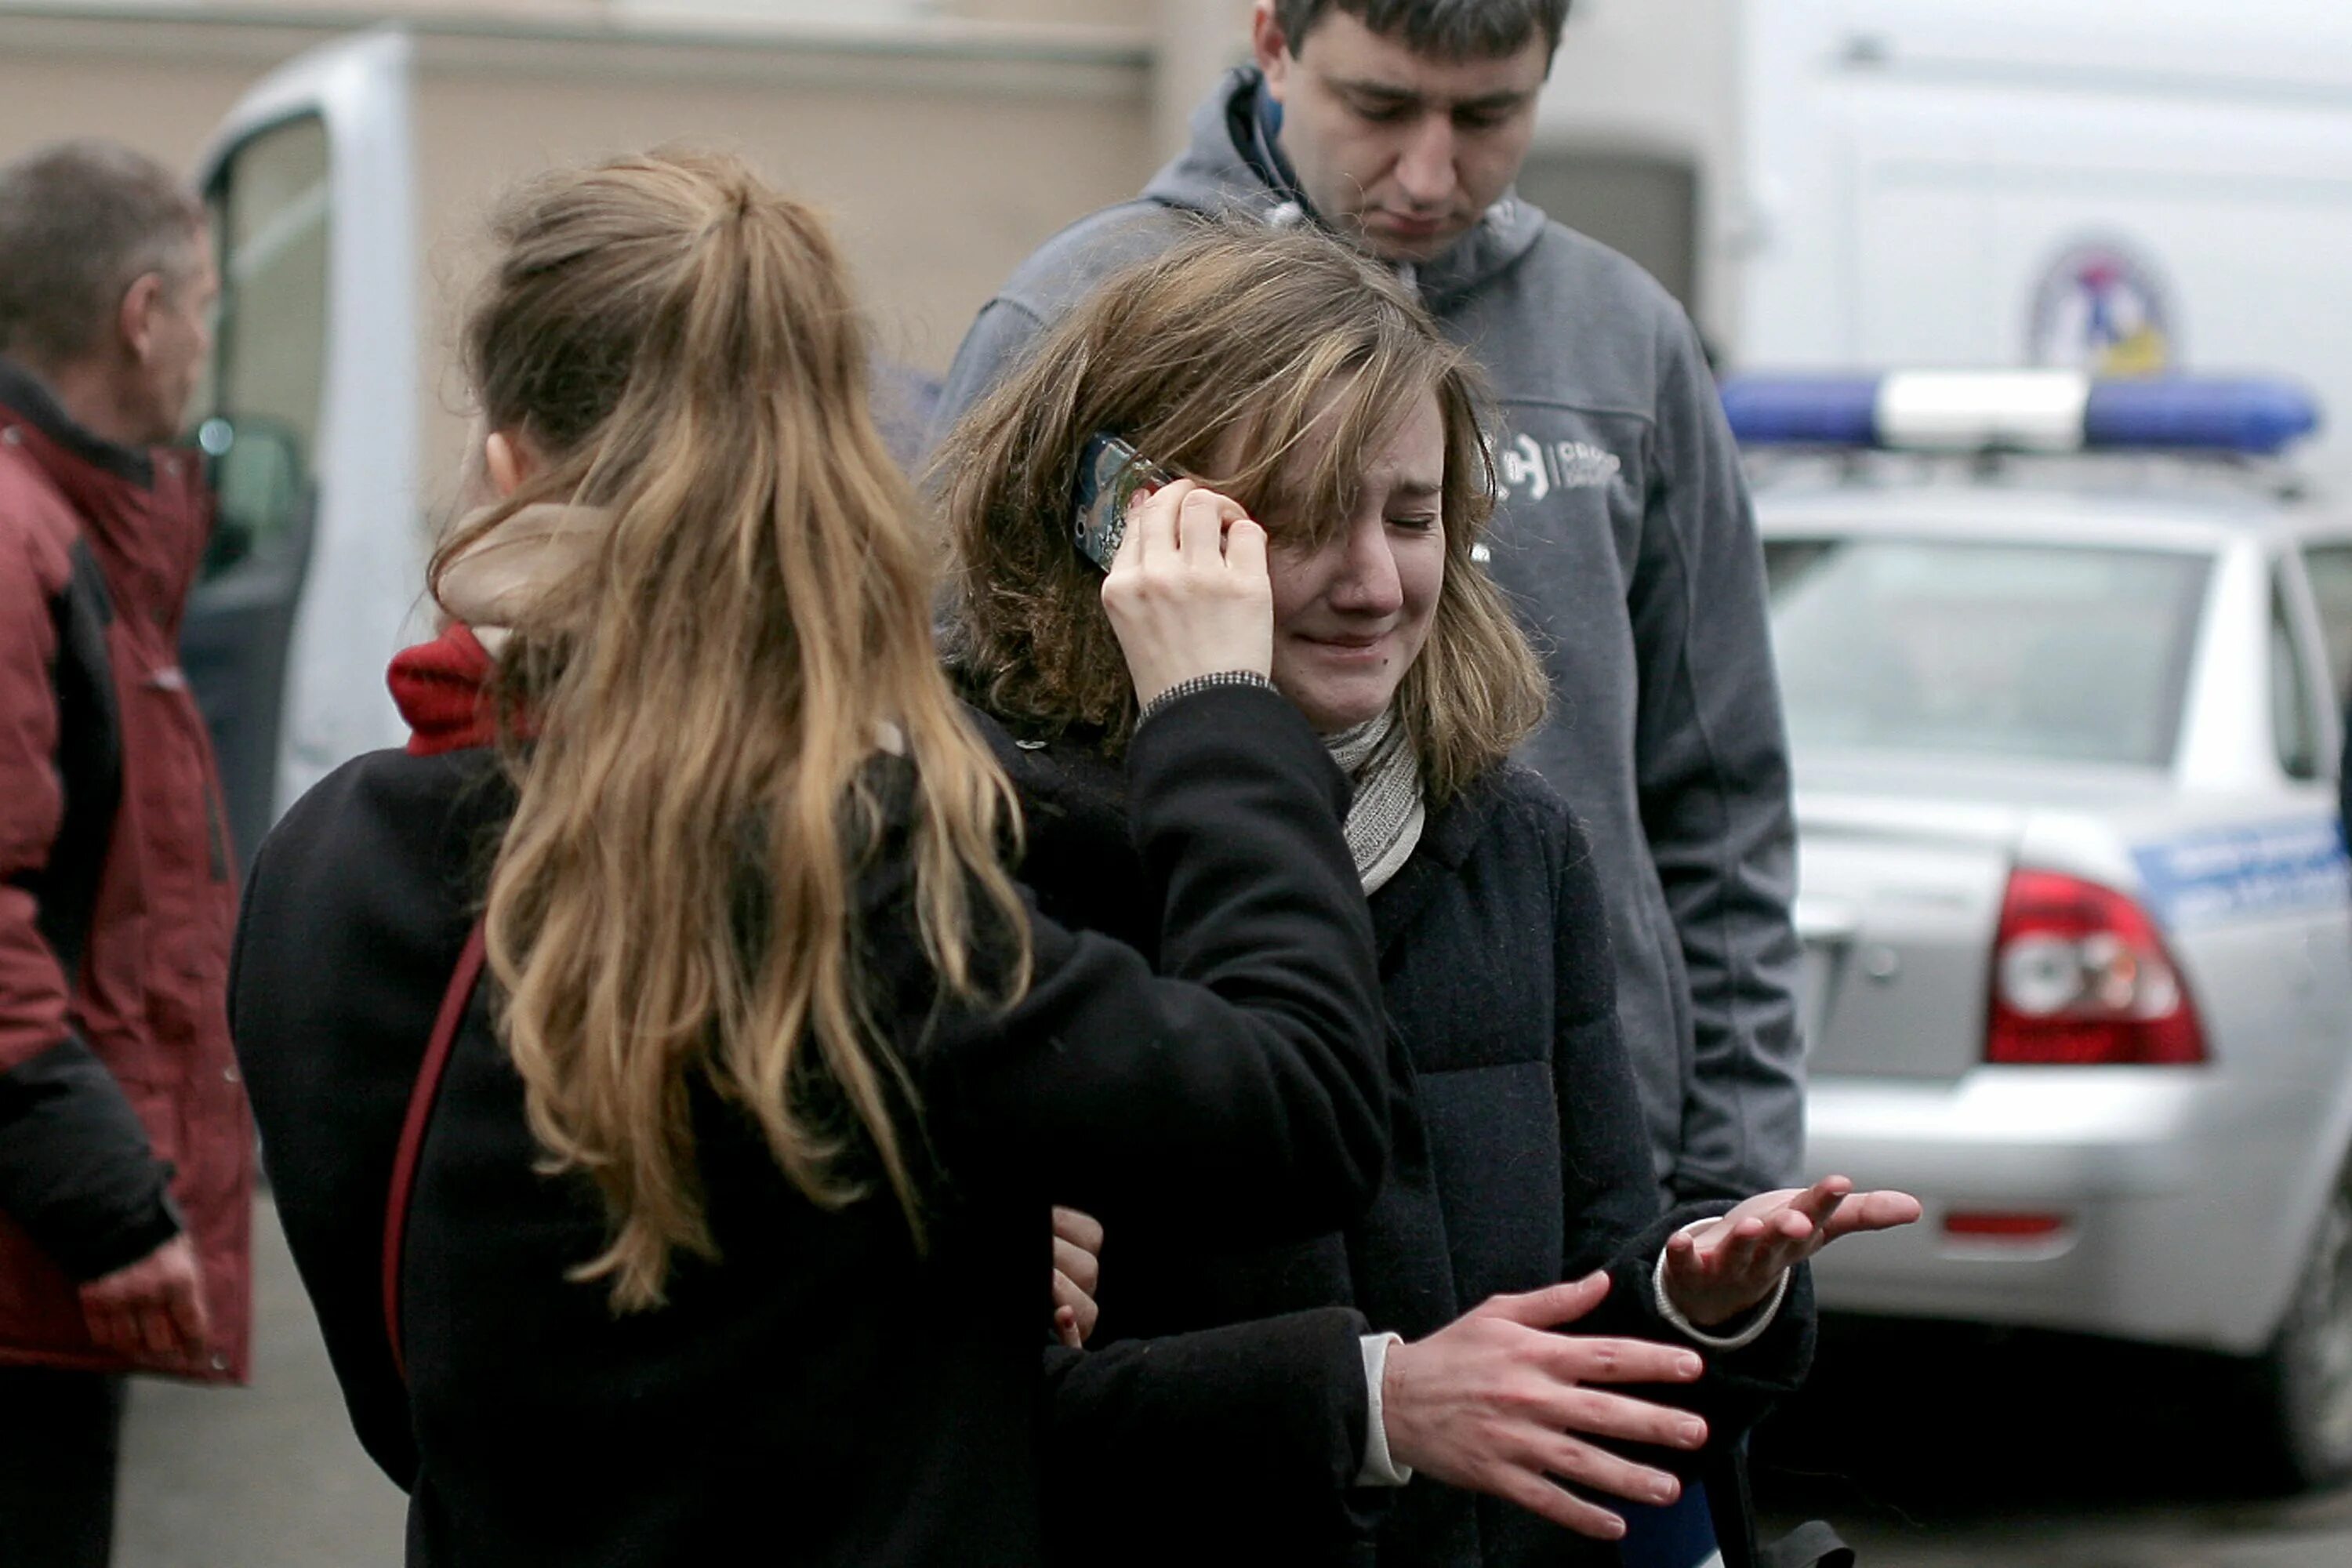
<point>429,1073</point>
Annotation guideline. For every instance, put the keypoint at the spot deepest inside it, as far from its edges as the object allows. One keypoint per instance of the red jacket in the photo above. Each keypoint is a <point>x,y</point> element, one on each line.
<point>123,1118</point>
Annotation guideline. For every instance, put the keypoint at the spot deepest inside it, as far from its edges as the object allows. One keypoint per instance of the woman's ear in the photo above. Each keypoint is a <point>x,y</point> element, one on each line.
<point>508,459</point>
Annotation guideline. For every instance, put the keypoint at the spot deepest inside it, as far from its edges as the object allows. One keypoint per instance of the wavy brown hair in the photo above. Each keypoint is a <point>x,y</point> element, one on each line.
<point>1238,330</point>
<point>706,693</point>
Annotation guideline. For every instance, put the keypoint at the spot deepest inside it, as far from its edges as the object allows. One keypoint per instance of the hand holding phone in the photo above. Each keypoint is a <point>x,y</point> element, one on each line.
<point>1188,593</point>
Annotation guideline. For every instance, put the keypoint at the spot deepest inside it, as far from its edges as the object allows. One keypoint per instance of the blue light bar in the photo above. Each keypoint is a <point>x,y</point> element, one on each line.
<point>1802,410</point>
<point>2251,416</point>
<point>2033,410</point>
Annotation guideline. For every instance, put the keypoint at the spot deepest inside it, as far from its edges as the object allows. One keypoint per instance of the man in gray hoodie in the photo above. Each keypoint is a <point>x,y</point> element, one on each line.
<point>1624,538</point>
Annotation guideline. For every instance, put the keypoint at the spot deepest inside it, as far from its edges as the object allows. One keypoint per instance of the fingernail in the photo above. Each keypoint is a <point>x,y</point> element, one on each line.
<point>1689,1365</point>
<point>1612,1528</point>
<point>1665,1491</point>
<point>1693,1434</point>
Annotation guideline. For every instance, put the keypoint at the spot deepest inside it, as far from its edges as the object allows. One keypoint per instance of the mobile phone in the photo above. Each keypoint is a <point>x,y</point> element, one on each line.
<point>1110,475</point>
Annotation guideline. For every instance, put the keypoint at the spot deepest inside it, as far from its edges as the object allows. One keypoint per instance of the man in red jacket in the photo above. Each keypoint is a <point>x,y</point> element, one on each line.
<point>126,1153</point>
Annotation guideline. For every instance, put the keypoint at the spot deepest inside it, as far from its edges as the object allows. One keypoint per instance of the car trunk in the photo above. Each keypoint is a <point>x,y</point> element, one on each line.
<point>1900,897</point>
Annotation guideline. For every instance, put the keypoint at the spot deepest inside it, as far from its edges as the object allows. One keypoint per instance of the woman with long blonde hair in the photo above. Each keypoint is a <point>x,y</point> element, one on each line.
<point>718,1214</point>
<point>1303,384</point>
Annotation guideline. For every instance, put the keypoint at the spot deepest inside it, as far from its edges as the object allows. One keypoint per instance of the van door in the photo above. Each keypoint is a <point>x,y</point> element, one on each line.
<point>309,425</point>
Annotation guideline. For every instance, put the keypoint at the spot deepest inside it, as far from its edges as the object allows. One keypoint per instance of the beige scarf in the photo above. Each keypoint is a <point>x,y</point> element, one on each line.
<point>503,571</point>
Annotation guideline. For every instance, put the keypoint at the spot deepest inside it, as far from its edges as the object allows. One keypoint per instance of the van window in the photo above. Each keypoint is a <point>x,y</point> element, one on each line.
<point>271,224</point>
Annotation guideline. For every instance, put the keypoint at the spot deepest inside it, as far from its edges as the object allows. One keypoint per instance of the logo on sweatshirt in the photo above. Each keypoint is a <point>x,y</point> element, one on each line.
<point>1529,470</point>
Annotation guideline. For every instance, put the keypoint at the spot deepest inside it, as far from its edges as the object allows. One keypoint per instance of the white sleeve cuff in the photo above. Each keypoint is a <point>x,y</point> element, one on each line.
<point>1759,1317</point>
<point>1380,1468</point>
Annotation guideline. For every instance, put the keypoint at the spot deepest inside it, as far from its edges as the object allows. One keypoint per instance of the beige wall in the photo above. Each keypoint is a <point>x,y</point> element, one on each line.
<point>939,174</point>
<point>160,87</point>
<point>941,162</point>
<point>1098,13</point>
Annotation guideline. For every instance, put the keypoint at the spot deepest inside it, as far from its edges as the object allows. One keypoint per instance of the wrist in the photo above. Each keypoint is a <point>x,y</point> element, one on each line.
<point>1715,1322</point>
<point>1396,1402</point>
<point>1177,691</point>
<point>1384,1465</point>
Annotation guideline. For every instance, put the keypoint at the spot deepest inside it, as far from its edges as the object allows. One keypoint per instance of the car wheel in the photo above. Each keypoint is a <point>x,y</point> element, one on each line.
<point>2306,1377</point>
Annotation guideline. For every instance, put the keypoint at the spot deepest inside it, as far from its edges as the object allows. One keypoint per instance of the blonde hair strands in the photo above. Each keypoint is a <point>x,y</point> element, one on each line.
<point>1236,328</point>
<point>676,895</point>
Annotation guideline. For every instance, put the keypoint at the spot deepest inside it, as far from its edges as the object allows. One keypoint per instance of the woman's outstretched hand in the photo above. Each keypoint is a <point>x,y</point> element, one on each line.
<point>1188,592</point>
<point>1499,1402</point>
<point>1716,1274</point>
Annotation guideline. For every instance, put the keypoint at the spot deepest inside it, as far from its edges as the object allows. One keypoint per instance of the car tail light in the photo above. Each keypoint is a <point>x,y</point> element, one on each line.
<point>2081,976</point>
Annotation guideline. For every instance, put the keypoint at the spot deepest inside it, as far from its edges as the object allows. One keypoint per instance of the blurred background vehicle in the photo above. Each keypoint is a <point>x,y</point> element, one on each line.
<point>2074,901</point>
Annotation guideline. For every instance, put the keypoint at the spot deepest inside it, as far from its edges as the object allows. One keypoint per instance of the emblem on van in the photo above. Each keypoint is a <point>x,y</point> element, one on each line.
<point>2103,306</point>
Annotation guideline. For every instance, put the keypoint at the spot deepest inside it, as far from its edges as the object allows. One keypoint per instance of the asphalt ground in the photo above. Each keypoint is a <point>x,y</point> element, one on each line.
<point>1938,1446</point>
<point>1929,1447</point>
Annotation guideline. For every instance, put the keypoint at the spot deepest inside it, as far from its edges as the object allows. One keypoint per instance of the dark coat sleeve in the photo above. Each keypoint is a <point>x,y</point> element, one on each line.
<point>1158,1450</point>
<point>355,913</point>
<point>330,1168</point>
<point>1609,1195</point>
<point>1242,1092</point>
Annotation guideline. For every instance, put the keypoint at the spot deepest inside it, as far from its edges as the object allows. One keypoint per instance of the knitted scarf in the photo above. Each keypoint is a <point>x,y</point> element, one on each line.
<point>1385,819</point>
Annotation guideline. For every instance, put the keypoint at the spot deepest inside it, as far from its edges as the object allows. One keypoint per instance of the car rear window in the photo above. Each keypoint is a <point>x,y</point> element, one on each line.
<point>1928,646</point>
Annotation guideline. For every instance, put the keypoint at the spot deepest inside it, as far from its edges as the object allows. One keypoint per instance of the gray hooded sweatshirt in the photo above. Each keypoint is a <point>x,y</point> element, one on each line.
<point>1626,542</point>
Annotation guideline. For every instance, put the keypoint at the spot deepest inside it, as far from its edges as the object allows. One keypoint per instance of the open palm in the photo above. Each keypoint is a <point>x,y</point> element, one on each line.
<point>1718,1272</point>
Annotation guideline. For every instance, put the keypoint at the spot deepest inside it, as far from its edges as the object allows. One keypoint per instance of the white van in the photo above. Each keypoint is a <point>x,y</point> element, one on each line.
<point>347,185</point>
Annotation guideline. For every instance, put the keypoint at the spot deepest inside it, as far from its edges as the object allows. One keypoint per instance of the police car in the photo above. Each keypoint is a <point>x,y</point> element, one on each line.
<point>2064,662</point>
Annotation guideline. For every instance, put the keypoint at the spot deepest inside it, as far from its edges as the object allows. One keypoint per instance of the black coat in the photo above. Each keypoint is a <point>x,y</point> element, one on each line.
<point>1520,1161</point>
<point>823,1390</point>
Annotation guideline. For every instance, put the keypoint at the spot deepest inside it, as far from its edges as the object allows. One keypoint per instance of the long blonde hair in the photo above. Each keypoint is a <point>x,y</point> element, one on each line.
<point>1235,326</point>
<point>674,900</point>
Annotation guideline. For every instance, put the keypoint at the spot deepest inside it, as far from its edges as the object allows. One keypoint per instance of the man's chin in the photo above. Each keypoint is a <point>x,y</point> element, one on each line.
<point>1389,245</point>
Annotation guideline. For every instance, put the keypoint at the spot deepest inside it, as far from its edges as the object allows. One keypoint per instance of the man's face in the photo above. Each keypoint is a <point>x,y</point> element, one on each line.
<point>1400,152</point>
<point>178,343</point>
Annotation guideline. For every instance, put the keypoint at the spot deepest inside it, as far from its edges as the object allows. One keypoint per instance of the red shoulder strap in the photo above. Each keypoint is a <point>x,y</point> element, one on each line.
<point>453,1002</point>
